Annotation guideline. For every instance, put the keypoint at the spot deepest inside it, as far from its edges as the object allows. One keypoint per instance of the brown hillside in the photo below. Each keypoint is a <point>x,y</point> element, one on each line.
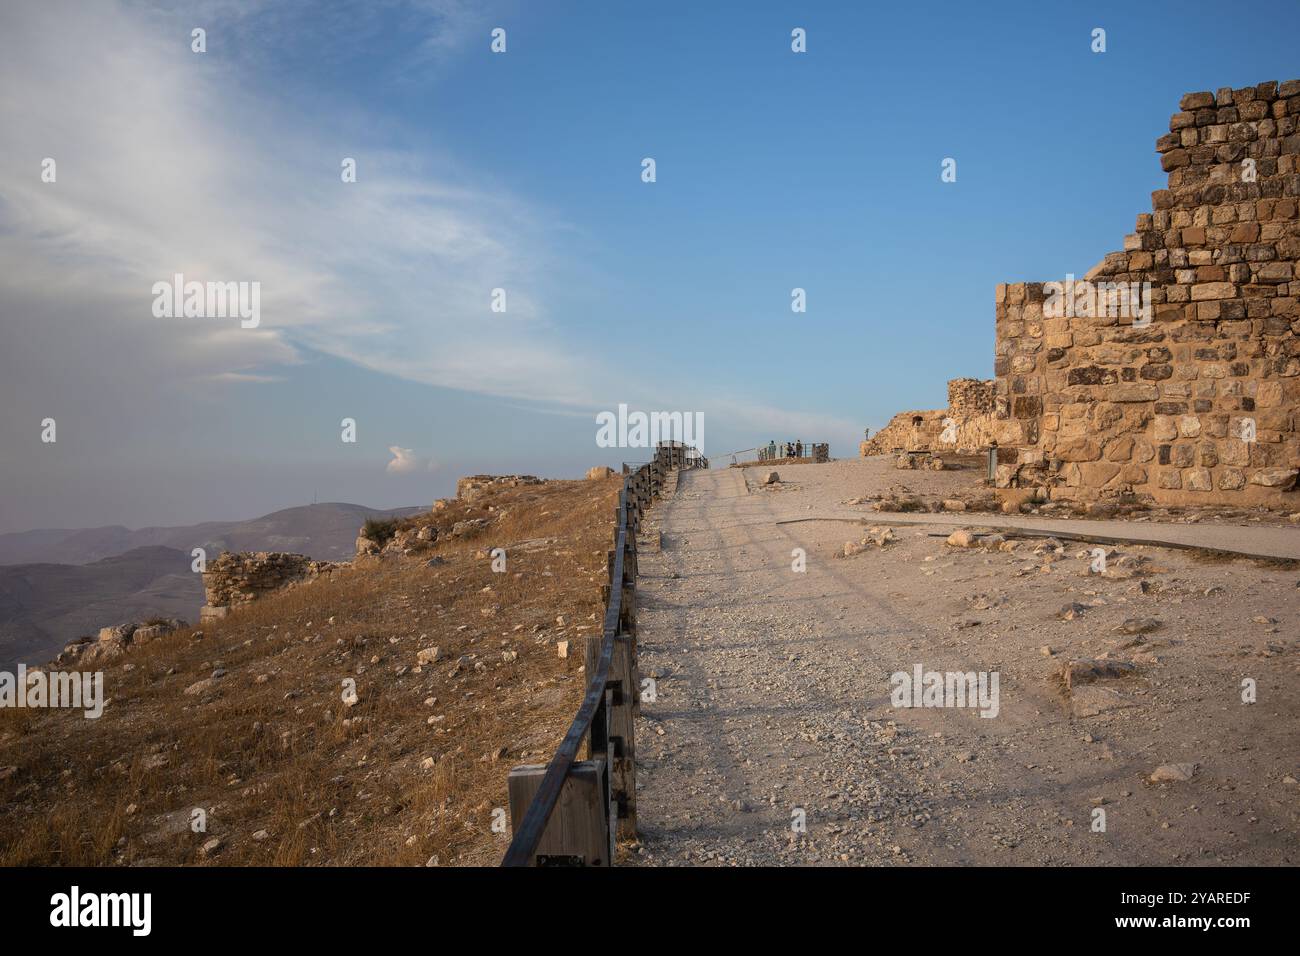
<point>409,774</point>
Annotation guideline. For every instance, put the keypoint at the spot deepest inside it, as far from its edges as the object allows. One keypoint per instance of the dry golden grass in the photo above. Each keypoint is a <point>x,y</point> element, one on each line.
<point>272,746</point>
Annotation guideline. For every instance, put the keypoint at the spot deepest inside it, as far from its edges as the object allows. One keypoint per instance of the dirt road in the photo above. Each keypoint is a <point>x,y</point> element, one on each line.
<point>774,740</point>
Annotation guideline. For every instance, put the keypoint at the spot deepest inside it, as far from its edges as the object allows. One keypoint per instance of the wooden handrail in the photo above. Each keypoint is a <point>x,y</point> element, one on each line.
<point>611,755</point>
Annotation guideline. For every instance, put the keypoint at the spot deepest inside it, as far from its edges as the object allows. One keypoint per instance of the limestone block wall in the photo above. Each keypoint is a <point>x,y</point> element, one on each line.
<point>970,397</point>
<point>910,431</point>
<point>970,412</point>
<point>1185,389</point>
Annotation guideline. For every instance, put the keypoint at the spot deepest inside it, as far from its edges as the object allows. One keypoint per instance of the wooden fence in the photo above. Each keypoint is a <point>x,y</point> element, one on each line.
<point>570,811</point>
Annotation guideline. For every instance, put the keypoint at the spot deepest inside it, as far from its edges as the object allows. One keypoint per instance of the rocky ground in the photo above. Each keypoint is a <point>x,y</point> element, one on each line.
<point>367,718</point>
<point>774,740</point>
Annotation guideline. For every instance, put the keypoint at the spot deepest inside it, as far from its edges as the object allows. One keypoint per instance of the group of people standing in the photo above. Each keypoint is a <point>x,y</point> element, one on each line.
<point>773,451</point>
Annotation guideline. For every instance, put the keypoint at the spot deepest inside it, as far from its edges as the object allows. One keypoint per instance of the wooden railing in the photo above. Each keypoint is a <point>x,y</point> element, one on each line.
<point>570,812</point>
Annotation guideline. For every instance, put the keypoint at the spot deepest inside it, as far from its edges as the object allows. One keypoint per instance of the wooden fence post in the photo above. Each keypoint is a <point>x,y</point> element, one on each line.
<point>579,832</point>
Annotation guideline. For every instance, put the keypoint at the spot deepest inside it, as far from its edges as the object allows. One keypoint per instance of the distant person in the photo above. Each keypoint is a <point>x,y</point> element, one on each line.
<point>798,448</point>
<point>771,449</point>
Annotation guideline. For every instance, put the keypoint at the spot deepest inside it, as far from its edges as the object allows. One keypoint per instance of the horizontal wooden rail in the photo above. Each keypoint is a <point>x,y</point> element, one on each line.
<point>570,811</point>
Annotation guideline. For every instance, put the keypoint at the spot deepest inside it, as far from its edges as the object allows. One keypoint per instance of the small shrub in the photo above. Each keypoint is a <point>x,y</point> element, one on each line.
<point>379,530</point>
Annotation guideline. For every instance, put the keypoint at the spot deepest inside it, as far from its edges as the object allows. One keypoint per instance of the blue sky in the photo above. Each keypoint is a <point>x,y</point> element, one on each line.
<point>522,170</point>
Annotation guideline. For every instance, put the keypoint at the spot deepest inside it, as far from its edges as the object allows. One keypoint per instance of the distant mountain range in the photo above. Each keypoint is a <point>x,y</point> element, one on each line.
<point>326,532</point>
<point>56,585</point>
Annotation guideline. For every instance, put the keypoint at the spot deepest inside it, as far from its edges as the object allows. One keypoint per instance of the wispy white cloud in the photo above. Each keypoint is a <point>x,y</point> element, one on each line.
<point>167,162</point>
<point>170,161</point>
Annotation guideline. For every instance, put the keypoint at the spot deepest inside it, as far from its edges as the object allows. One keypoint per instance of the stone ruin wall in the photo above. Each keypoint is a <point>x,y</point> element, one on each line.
<point>472,486</point>
<point>970,407</point>
<point>1094,407</point>
<point>236,578</point>
<point>909,431</point>
<point>970,398</point>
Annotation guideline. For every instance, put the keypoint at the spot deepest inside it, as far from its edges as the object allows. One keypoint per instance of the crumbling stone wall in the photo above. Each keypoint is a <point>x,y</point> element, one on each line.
<point>970,397</point>
<point>1193,400</point>
<point>906,431</point>
<point>235,578</point>
<point>471,486</point>
<point>965,426</point>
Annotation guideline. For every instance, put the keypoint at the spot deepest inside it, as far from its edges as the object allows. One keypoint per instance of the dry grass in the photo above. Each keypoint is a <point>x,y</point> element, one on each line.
<point>272,746</point>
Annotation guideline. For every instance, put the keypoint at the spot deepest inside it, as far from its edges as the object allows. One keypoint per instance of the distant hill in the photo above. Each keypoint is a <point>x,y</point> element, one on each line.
<point>57,585</point>
<point>324,531</point>
<point>44,606</point>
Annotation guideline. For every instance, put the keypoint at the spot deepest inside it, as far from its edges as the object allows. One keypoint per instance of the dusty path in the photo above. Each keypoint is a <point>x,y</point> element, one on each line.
<point>773,697</point>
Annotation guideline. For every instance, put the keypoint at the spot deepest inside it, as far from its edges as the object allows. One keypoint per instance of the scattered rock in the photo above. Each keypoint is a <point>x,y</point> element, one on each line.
<point>1173,773</point>
<point>880,536</point>
<point>1087,670</point>
<point>1139,625</point>
<point>201,686</point>
<point>961,538</point>
<point>469,526</point>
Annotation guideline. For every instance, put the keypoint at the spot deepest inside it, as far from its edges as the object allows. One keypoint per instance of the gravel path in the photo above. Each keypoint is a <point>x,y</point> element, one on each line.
<point>773,697</point>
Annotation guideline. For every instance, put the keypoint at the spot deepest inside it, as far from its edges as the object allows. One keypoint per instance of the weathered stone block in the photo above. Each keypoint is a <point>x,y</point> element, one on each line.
<point>1213,290</point>
<point>1281,478</point>
<point>1231,479</point>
